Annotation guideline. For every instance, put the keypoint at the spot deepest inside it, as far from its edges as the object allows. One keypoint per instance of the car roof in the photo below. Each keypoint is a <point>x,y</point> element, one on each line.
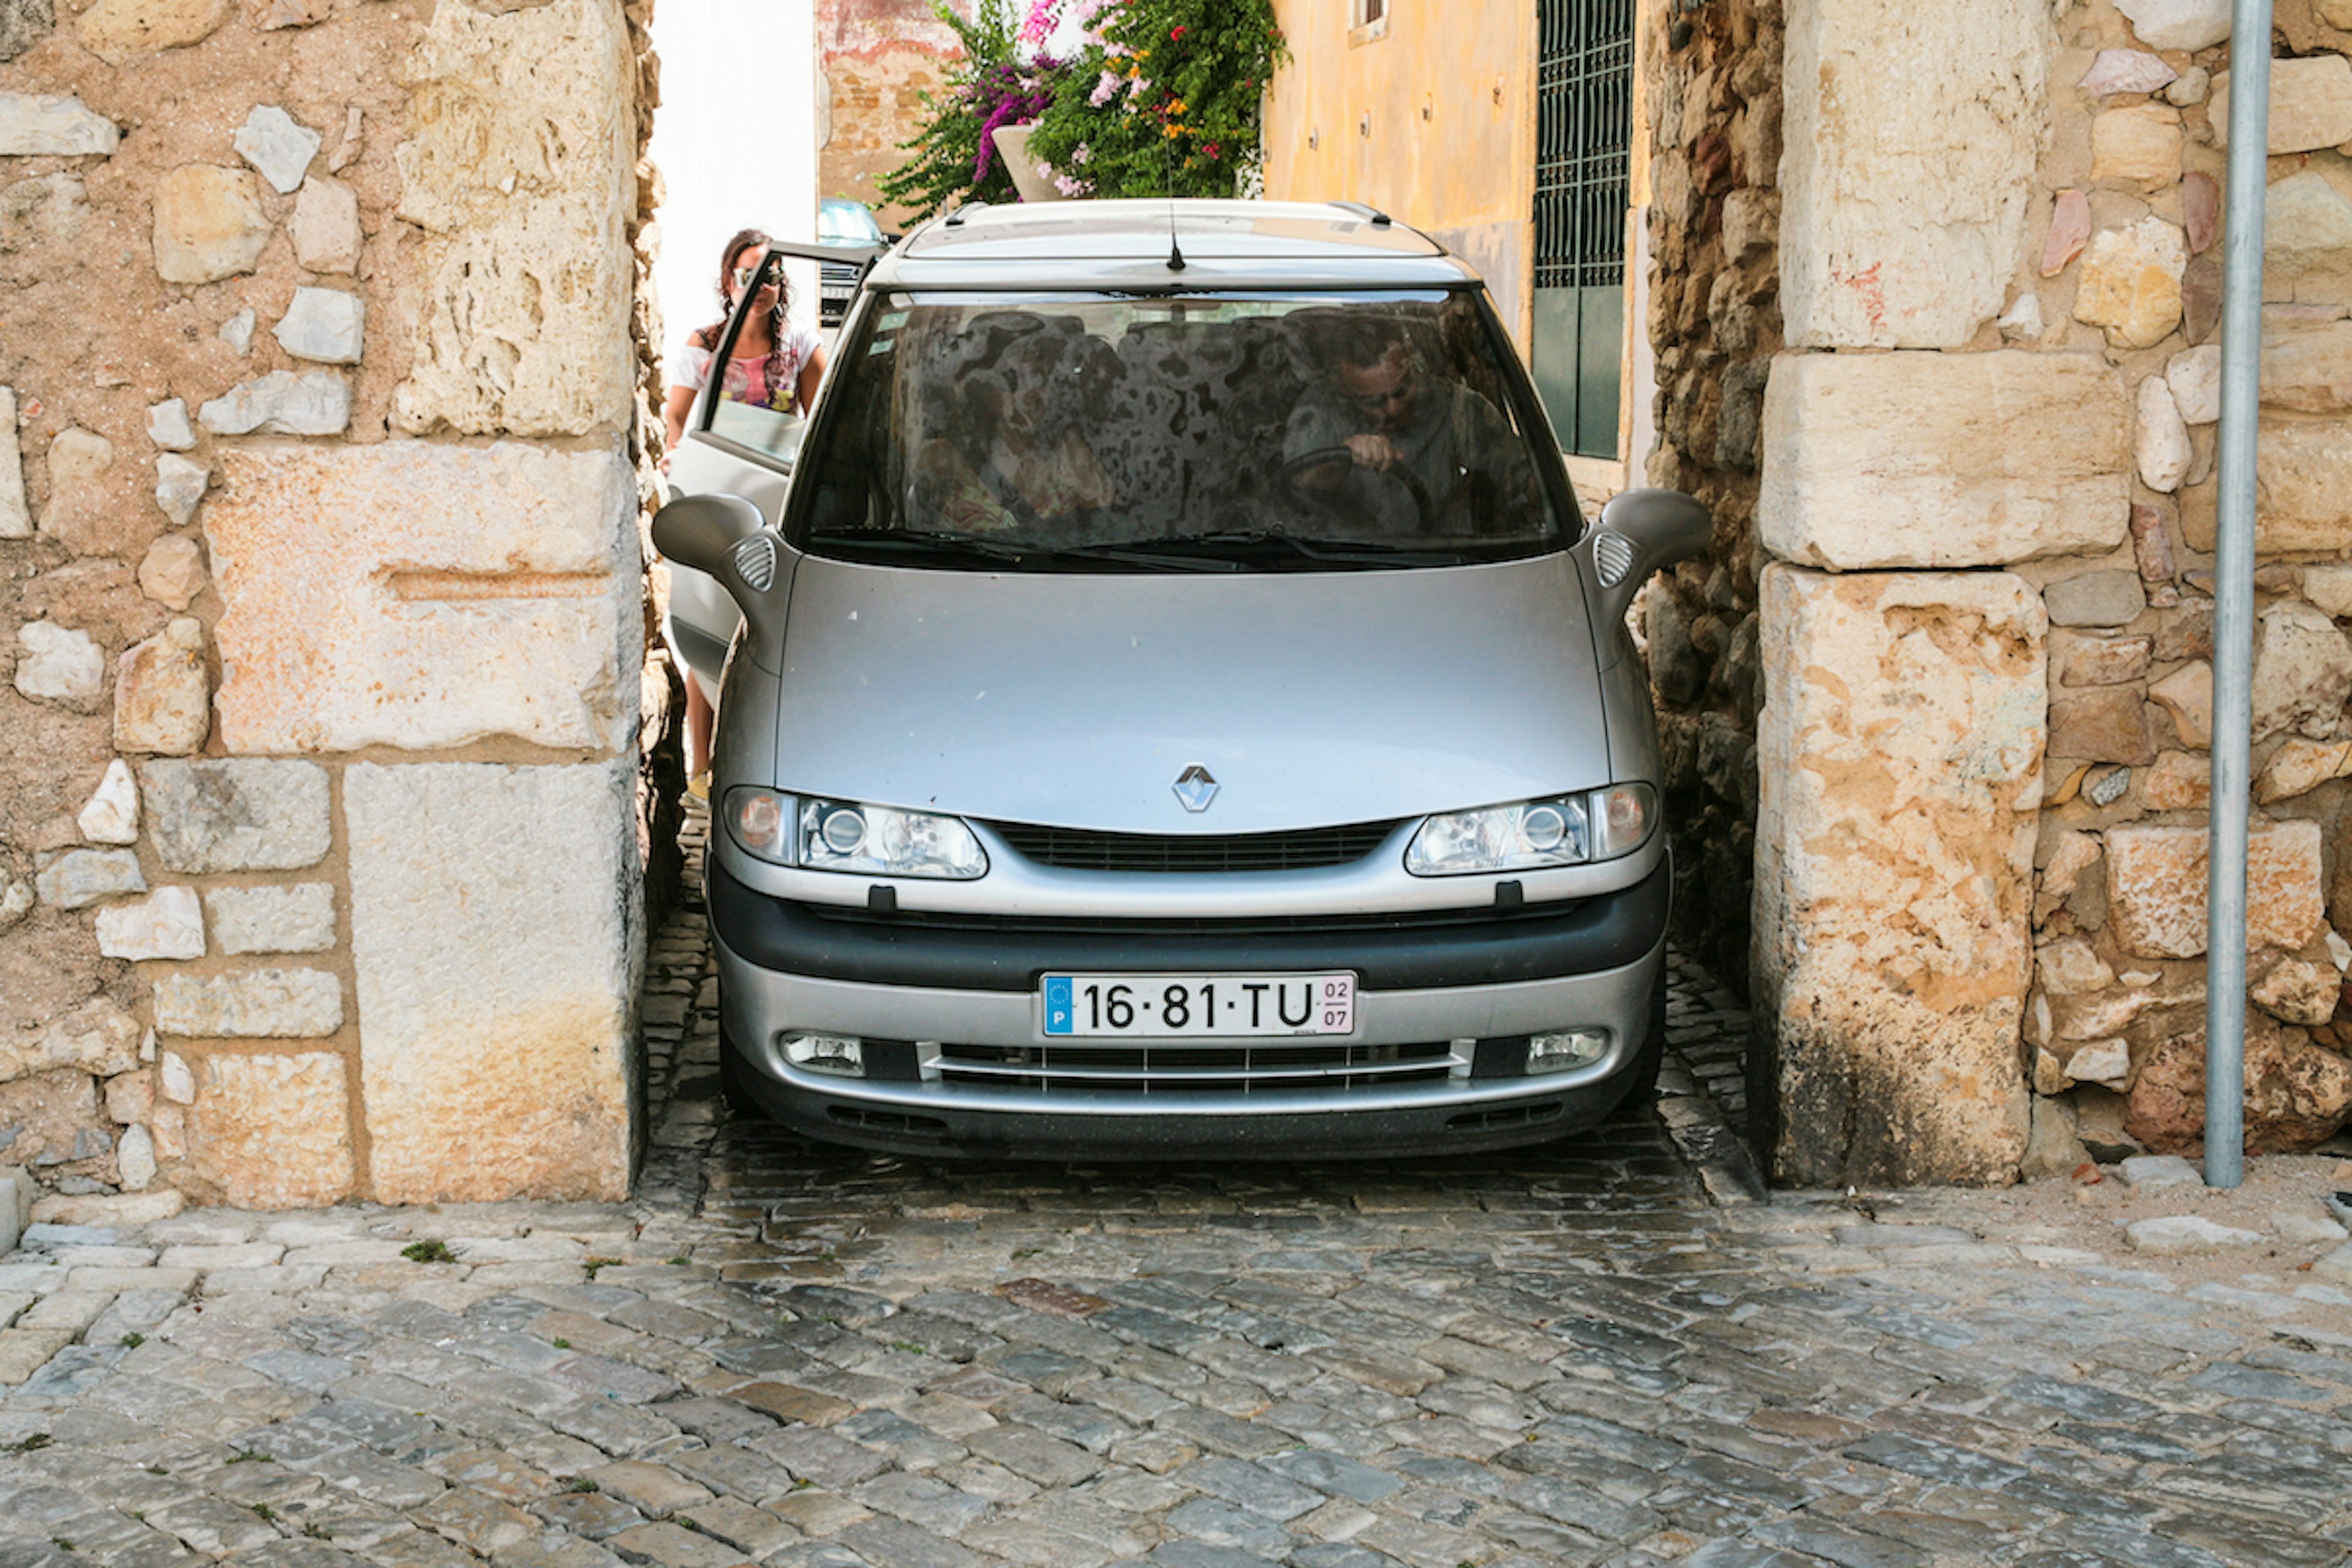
<point>1123,244</point>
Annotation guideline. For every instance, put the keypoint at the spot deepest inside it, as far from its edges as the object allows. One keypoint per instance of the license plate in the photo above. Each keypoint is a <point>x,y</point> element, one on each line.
<point>1188,1006</point>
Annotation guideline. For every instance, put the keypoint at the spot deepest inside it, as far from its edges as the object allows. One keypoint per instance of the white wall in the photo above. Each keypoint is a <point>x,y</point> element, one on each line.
<point>735,139</point>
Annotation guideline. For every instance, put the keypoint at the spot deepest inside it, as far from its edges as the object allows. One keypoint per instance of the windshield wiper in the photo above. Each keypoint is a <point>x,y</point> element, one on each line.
<point>1354,552</point>
<point>941,542</point>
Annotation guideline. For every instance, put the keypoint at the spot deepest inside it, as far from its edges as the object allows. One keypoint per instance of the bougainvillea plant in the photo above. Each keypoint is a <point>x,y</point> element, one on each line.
<point>954,156</point>
<point>1164,97</point>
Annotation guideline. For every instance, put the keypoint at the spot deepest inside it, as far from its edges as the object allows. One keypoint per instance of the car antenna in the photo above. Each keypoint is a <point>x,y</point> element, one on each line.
<point>1175,250</point>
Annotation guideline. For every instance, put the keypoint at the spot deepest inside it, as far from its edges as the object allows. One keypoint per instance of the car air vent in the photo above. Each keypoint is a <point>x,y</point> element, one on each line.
<point>1077,849</point>
<point>1613,555</point>
<point>755,559</point>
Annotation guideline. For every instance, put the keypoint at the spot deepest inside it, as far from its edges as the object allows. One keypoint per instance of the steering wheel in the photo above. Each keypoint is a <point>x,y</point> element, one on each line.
<point>1425,509</point>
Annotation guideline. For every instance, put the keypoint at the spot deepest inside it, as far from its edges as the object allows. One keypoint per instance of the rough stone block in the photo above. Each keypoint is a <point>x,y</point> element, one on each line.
<point>162,692</point>
<point>298,919</point>
<point>2160,438</point>
<point>327,325</point>
<point>253,1004</point>
<point>2157,885</point>
<point>326,226</point>
<point>168,428</point>
<point>2306,241</point>
<point>2311,104</point>
<point>23,24</point>
<point>15,517</point>
<point>2178,24</point>
<point>118,29</point>
<point>314,403</point>
<point>1906,459</point>
<point>2138,145</point>
<point>2303,670</point>
<point>53,1116</point>
<point>238,815</point>
<point>2112,598</point>
<point>496,593</point>
<point>2306,367</point>
<point>1910,782</point>
<point>1904,190</point>
<point>279,149</point>
<point>493,930</point>
<point>2131,282</point>
<point>519,169</point>
<point>2109,725</point>
<point>59,664</point>
<point>79,878</point>
<point>172,572</point>
<point>33,125</point>
<point>96,1037</point>
<point>111,816</point>
<point>180,487</point>
<point>209,223</point>
<point>2303,499</point>
<point>167,923</point>
<point>272,1131</point>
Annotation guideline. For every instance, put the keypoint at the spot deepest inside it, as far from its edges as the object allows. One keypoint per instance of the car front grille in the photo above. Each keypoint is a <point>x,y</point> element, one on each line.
<point>1080,849</point>
<point>1175,1067</point>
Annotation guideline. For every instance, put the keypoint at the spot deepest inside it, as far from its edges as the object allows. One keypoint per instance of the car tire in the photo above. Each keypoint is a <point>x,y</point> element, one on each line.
<point>735,1081</point>
<point>1642,1087</point>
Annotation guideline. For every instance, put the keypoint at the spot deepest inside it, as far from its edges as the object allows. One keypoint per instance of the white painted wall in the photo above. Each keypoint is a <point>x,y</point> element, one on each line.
<point>735,139</point>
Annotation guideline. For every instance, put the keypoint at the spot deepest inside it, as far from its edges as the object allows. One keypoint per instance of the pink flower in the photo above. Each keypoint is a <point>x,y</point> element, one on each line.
<point>1104,89</point>
<point>1081,152</point>
<point>1073,187</point>
<point>1038,25</point>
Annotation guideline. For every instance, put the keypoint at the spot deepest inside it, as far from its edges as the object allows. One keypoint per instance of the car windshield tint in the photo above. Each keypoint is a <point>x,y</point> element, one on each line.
<point>1176,433</point>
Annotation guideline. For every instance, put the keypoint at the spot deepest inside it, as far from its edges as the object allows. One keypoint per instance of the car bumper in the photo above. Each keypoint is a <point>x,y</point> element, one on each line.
<point>958,1061</point>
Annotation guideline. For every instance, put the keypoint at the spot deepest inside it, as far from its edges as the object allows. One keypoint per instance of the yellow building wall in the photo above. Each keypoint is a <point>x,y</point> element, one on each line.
<point>1432,122</point>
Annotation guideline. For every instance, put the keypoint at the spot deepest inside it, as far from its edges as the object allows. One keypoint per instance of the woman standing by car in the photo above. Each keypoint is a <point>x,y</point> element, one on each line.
<point>775,365</point>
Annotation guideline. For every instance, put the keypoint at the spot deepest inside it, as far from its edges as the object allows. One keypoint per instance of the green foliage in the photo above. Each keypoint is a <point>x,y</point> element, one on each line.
<point>428,1252</point>
<point>1169,103</point>
<point>1165,98</point>
<point>952,160</point>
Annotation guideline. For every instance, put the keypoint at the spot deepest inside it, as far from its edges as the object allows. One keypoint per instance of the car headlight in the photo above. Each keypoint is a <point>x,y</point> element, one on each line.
<point>846,836</point>
<point>1564,830</point>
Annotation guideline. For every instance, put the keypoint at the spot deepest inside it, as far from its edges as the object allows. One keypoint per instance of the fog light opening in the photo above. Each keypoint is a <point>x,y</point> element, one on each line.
<point>1568,1049</point>
<point>841,1055</point>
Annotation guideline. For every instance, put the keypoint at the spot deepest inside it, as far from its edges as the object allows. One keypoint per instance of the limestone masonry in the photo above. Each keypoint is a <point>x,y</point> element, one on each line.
<point>323,355</point>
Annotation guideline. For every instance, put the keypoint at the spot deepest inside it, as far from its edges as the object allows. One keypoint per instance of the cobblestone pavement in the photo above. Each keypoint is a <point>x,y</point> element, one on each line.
<point>794,1356</point>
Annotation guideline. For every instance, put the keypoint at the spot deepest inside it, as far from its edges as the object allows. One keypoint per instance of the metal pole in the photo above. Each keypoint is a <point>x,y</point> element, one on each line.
<point>2233,595</point>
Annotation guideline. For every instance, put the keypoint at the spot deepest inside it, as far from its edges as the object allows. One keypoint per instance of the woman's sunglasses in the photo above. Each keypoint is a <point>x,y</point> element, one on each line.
<point>744,276</point>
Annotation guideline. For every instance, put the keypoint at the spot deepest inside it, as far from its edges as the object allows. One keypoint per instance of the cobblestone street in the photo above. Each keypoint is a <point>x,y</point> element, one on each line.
<point>797,1356</point>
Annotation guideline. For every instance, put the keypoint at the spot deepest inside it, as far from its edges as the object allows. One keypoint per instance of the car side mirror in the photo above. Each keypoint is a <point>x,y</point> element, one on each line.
<point>1638,532</point>
<point>725,537</point>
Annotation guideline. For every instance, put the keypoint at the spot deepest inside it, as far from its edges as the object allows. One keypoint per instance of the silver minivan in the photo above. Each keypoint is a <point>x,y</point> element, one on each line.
<point>1171,703</point>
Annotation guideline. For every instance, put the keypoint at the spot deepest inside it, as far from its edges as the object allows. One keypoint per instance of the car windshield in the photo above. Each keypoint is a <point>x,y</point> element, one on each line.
<point>1176,433</point>
<point>847,222</point>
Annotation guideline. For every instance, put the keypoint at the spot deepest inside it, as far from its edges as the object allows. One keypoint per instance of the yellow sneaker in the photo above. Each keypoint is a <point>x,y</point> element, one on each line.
<point>698,786</point>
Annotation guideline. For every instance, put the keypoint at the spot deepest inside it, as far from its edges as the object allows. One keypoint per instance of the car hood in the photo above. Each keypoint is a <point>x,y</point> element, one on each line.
<point>1076,701</point>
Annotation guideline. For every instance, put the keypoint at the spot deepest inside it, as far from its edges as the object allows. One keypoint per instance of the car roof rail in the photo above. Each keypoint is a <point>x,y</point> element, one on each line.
<point>1370,214</point>
<point>955,219</point>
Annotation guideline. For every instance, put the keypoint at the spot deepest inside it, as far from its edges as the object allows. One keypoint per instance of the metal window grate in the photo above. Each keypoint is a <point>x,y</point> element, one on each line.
<point>1584,128</point>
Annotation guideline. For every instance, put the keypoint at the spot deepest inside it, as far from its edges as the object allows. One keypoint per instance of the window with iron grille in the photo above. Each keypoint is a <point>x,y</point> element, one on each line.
<point>1584,132</point>
<point>1368,18</point>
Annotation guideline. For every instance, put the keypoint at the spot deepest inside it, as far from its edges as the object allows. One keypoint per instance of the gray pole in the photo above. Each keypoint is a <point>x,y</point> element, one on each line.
<point>2233,595</point>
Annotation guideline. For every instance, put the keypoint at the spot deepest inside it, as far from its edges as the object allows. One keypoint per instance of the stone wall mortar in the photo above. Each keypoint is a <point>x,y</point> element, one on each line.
<point>2116,264</point>
<point>244,273</point>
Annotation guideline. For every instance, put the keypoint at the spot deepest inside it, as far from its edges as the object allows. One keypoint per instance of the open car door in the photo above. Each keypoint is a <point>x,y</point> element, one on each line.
<point>733,448</point>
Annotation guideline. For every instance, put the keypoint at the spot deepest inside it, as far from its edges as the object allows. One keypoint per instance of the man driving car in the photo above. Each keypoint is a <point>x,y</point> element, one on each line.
<point>1398,449</point>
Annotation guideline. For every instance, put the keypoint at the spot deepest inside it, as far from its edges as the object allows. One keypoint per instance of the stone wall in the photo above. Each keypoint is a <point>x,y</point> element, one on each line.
<point>1713,102</point>
<point>1987,487</point>
<point>875,59</point>
<point>324,359</point>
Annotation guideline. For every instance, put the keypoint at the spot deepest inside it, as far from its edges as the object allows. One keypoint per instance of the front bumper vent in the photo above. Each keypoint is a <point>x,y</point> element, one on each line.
<point>1172,1067</point>
<point>1079,849</point>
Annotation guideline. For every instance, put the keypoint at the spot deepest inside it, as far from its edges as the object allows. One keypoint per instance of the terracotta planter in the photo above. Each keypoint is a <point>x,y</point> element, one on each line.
<point>1028,178</point>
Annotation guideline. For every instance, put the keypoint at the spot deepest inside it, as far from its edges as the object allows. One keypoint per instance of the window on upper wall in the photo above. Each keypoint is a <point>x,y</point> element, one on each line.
<point>1366,20</point>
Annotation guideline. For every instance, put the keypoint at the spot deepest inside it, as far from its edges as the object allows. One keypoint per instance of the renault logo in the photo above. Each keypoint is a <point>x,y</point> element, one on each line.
<point>1195,787</point>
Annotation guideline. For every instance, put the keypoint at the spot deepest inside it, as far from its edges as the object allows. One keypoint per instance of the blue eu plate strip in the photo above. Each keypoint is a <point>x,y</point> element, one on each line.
<point>1060,1009</point>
